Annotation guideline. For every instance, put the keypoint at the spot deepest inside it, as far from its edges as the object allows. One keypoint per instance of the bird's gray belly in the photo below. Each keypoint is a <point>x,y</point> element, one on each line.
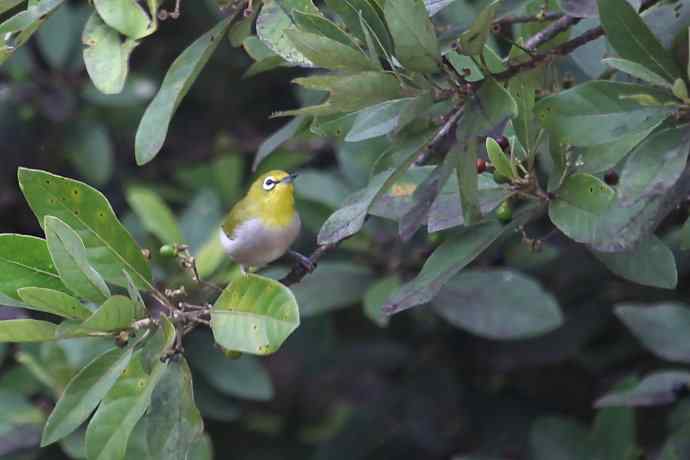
<point>253,244</point>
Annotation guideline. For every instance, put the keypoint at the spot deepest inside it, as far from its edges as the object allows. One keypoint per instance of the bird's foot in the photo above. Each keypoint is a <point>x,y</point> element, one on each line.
<point>304,261</point>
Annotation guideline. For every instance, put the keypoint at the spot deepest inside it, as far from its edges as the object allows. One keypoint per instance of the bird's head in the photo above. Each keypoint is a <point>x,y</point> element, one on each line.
<point>274,190</point>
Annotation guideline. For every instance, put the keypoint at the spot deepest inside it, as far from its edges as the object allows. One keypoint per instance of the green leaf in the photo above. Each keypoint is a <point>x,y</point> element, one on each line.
<point>54,302</point>
<point>380,119</point>
<point>317,24</point>
<point>18,29</point>
<point>579,203</point>
<point>349,219</point>
<point>25,261</point>
<point>275,140</point>
<point>632,39</point>
<point>271,27</point>
<point>498,304</point>
<point>349,93</point>
<point>658,270</point>
<point>468,182</point>
<point>173,422</point>
<point>613,430</point>
<point>254,315</point>
<point>26,330</point>
<point>499,159</point>
<point>685,235</point>
<point>680,89</point>
<point>110,246</point>
<point>597,112</point>
<point>106,56</point>
<point>473,39</point>
<point>602,157</point>
<point>654,166</point>
<point>84,392</point>
<point>654,389</point>
<point>416,46</point>
<point>637,71</point>
<point>455,253</point>
<point>181,75</point>
<point>202,449</point>
<point>70,258</point>
<point>243,378</point>
<point>327,53</point>
<point>358,13</point>
<point>154,214</point>
<point>125,16</point>
<point>492,105</point>
<point>662,328</point>
<point>523,88</point>
<point>376,296</point>
<point>6,5</point>
<point>123,406</point>
<point>135,296</point>
<point>117,313</point>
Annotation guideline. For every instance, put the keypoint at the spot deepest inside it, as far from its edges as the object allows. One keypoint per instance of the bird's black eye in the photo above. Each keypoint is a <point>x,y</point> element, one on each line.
<point>269,183</point>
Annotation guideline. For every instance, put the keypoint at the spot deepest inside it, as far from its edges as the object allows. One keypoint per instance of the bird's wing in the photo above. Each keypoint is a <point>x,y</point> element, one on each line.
<point>237,215</point>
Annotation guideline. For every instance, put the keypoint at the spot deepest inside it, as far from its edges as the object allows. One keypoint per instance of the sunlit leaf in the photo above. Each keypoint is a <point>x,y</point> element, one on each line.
<point>54,302</point>
<point>26,330</point>
<point>117,313</point>
<point>126,16</point>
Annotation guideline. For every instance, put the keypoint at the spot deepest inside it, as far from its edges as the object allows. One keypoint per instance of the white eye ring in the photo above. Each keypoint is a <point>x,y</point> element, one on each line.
<point>269,183</point>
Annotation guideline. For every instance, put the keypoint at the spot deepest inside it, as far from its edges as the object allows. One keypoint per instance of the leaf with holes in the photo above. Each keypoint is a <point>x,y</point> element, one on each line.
<point>254,315</point>
<point>110,247</point>
<point>69,256</point>
<point>25,262</point>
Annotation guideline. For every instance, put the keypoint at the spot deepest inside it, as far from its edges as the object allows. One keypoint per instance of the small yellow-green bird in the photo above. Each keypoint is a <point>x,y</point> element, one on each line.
<point>262,226</point>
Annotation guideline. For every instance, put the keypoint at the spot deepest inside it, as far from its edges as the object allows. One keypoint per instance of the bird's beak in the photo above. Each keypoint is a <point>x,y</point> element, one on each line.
<point>289,178</point>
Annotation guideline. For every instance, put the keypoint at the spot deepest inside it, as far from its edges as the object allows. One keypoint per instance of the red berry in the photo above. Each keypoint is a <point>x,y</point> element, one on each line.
<point>481,165</point>
<point>503,142</point>
<point>611,177</point>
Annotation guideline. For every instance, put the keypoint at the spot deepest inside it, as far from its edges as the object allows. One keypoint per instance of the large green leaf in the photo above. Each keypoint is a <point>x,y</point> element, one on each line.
<point>84,392</point>
<point>327,53</point>
<point>632,39</point>
<point>271,27</point>
<point>106,55</point>
<point>254,315</point>
<point>662,328</point>
<point>637,71</point>
<point>468,181</point>
<point>24,262</point>
<point>154,214</point>
<point>654,389</point>
<point>26,330</point>
<point>173,422</point>
<point>658,270</point>
<point>117,313</point>
<point>454,254</point>
<point>126,16</point>
<point>416,46</point>
<point>514,307</point>
<point>597,112</point>
<point>110,246</point>
<point>473,39</point>
<point>654,166</point>
<point>128,400</point>
<point>349,219</point>
<point>70,258</point>
<point>492,105</point>
<point>181,75</point>
<point>350,12</point>
<point>602,157</point>
<point>579,203</point>
<point>385,117</point>
<point>523,89</point>
<point>54,302</point>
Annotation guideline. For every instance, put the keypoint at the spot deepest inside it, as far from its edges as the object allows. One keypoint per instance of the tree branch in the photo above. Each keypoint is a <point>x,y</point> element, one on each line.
<point>560,25</point>
<point>299,271</point>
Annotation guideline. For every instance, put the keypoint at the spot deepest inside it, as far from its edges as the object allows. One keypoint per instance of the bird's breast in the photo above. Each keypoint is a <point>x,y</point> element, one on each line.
<point>255,244</point>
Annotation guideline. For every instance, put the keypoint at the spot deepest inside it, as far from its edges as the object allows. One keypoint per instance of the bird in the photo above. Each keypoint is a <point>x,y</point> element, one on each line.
<point>262,226</point>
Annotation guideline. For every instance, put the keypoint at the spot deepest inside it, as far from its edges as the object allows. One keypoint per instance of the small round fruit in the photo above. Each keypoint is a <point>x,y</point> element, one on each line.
<point>168,251</point>
<point>611,177</point>
<point>500,178</point>
<point>504,212</point>
<point>481,165</point>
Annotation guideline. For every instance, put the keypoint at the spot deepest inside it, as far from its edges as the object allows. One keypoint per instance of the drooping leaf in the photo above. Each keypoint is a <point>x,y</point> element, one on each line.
<point>455,253</point>
<point>597,112</point>
<point>579,203</point>
<point>271,27</point>
<point>25,262</point>
<point>181,75</point>
<point>662,328</point>
<point>254,315</point>
<point>376,296</point>
<point>275,140</point>
<point>110,246</point>
<point>637,71</point>
<point>173,422</point>
<point>106,55</point>
<point>70,258</point>
<point>468,183</point>
<point>654,389</point>
<point>117,313</point>
<point>54,302</point>
<point>632,39</point>
<point>499,159</point>
<point>126,16</point>
<point>515,306</point>
<point>473,39</point>
<point>380,119</point>
<point>327,53</point>
<point>658,270</point>
<point>416,45</point>
<point>26,330</point>
<point>84,392</point>
<point>154,214</point>
<point>654,166</point>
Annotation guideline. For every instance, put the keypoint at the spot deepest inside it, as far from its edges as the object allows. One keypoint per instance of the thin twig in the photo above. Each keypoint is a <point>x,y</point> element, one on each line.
<point>550,31</point>
<point>448,125</point>
<point>299,271</point>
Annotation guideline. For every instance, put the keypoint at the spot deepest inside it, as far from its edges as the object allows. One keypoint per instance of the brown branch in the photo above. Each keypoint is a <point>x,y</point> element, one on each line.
<point>299,271</point>
<point>550,31</point>
<point>450,122</point>
<point>521,19</point>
